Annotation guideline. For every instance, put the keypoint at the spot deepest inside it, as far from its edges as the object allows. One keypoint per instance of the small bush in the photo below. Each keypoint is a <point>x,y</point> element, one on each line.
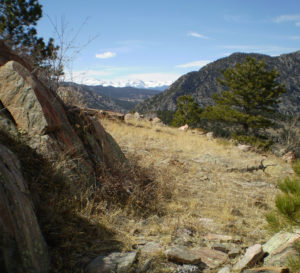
<point>286,216</point>
<point>258,142</point>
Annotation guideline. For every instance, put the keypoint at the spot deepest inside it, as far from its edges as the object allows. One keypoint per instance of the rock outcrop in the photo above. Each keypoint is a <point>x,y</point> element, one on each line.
<point>52,129</point>
<point>22,246</point>
<point>69,137</point>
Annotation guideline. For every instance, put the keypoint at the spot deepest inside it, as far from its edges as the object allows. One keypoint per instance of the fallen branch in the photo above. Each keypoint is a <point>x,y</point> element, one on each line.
<point>261,166</point>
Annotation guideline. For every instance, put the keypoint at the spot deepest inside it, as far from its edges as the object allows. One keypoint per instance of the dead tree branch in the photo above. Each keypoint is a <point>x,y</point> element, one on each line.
<point>261,166</point>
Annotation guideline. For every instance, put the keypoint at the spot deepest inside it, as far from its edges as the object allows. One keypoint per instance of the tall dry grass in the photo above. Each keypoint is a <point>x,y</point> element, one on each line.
<point>197,171</point>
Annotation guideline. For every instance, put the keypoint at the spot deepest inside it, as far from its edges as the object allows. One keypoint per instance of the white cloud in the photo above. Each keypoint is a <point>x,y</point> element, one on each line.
<point>297,24</point>
<point>295,37</point>
<point>106,55</point>
<point>197,35</point>
<point>287,18</point>
<point>193,64</point>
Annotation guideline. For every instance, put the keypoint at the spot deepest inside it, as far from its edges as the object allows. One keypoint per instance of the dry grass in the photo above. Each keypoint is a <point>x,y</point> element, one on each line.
<point>195,170</point>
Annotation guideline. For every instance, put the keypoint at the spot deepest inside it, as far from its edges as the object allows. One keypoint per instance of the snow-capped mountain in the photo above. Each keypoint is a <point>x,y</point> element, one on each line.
<point>154,85</point>
<point>137,84</point>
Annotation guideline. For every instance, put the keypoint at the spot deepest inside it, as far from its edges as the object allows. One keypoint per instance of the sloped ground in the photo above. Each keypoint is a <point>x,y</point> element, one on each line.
<point>202,194</point>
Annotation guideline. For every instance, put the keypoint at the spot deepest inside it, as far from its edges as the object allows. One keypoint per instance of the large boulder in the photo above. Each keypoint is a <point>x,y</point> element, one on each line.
<point>22,245</point>
<point>52,129</point>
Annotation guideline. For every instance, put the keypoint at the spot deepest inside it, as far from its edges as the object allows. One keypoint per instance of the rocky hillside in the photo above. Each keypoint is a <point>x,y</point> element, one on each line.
<point>203,83</point>
<point>118,99</point>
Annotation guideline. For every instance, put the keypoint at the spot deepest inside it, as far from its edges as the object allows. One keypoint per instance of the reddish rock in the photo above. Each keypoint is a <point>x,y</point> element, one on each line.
<point>289,157</point>
<point>23,248</point>
<point>52,131</point>
<point>181,254</point>
<point>212,258</point>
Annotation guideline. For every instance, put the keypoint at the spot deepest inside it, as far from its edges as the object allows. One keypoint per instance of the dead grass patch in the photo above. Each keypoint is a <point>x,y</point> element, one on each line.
<point>195,168</point>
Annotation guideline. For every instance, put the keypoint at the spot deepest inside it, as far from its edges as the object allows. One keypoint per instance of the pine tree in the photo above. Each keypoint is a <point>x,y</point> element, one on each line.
<point>188,112</point>
<point>251,96</point>
<point>18,19</point>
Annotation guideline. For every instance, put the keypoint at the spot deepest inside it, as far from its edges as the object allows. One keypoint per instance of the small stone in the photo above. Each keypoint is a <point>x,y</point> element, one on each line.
<point>270,269</point>
<point>236,212</point>
<point>156,120</point>
<point>186,268</point>
<point>212,258</point>
<point>210,135</point>
<point>253,255</point>
<point>115,262</point>
<point>151,248</point>
<point>181,254</point>
<point>220,247</point>
<point>225,269</point>
<point>244,148</point>
<point>234,252</point>
<point>183,128</point>
<point>217,237</point>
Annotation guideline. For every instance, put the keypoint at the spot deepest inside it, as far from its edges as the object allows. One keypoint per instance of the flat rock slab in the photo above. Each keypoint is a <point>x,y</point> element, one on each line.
<point>115,262</point>
<point>269,269</point>
<point>212,258</point>
<point>253,255</point>
<point>225,269</point>
<point>181,254</point>
<point>151,248</point>
<point>280,248</point>
<point>218,237</point>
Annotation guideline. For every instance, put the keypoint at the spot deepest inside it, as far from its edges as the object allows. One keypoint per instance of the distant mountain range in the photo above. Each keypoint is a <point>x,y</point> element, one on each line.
<point>120,99</point>
<point>203,84</point>
<point>153,85</point>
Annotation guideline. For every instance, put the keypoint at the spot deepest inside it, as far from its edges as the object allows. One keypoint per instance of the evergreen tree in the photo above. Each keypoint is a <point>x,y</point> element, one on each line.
<point>251,97</point>
<point>18,19</point>
<point>188,112</point>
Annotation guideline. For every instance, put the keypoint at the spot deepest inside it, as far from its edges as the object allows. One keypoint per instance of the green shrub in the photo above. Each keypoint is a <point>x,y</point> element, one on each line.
<point>286,216</point>
<point>257,142</point>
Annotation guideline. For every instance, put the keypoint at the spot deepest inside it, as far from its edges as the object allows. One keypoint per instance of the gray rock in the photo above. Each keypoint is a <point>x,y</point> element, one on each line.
<point>225,269</point>
<point>253,255</point>
<point>151,248</point>
<point>181,254</point>
<point>234,252</point>
<point>115,262</point>
<point>221,247</point>
<point>188,269</point>
<point>280,248</point>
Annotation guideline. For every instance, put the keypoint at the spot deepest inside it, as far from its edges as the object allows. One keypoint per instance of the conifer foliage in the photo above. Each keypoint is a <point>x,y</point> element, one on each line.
<point>18,19</point>
<point>251,94</point>
<point>287,213</point>
<point>188,112</point>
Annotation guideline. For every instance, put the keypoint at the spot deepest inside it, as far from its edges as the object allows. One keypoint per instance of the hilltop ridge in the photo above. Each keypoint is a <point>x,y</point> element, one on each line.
<point>203,84</point>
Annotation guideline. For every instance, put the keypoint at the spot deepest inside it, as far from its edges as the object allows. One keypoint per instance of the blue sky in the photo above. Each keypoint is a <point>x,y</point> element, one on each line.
<point>161,40</point>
